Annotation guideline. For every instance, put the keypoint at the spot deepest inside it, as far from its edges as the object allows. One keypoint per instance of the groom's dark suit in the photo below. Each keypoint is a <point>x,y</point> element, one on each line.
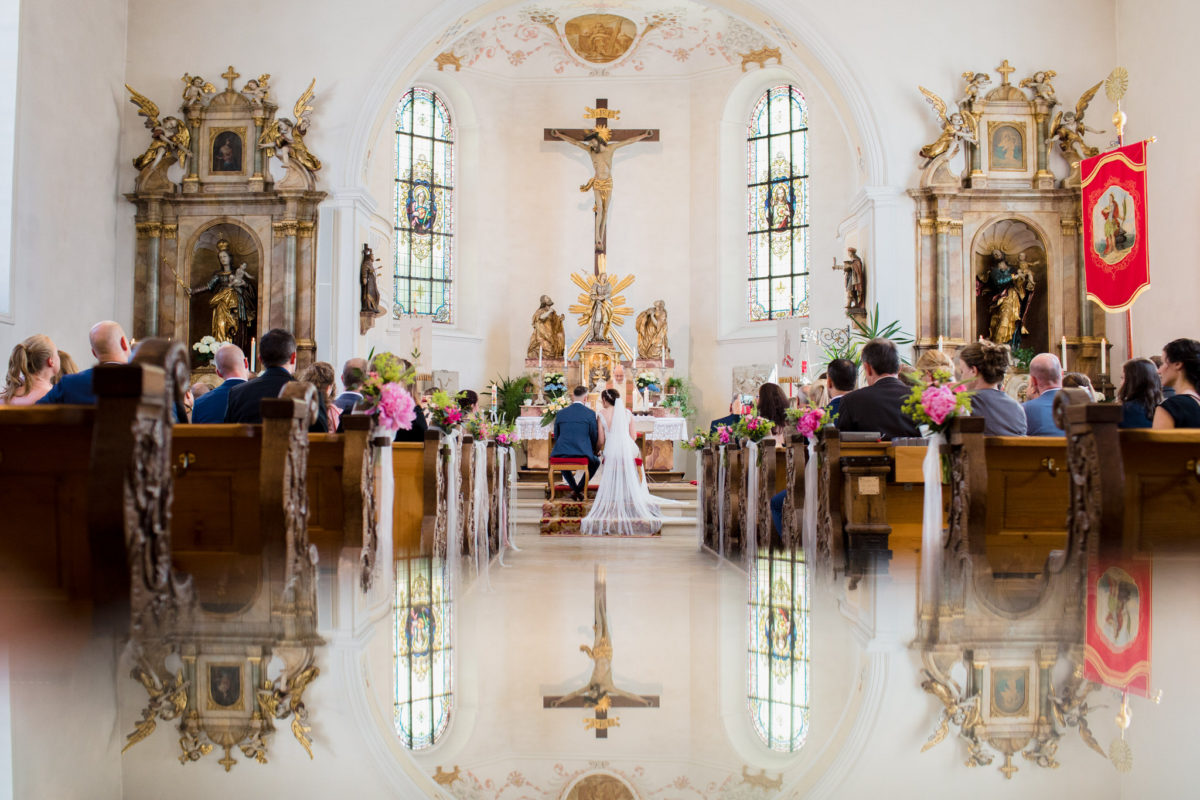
<point>575,435</point>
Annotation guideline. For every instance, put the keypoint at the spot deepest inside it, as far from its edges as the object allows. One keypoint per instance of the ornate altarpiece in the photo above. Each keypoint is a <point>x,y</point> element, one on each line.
<point>226,193</point>
<point>1008,200</point>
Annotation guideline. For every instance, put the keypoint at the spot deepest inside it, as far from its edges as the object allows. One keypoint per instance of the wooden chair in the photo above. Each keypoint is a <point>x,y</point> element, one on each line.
<point>560,465</point>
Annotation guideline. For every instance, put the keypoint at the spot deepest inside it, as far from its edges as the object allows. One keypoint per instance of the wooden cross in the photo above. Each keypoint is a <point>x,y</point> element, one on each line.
<point>1004,70</point>
<point>230,76</point>
<point>616,137</point>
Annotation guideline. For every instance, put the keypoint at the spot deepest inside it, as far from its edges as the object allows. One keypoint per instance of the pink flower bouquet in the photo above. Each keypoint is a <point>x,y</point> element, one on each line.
<point>938,402</point>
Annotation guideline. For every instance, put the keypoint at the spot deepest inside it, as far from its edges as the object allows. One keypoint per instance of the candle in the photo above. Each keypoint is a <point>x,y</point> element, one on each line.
<point>539,358</point>
<point>1064,353</point>
<point>253,342</point>
<point>939,344</point>
<point>1103,355</point>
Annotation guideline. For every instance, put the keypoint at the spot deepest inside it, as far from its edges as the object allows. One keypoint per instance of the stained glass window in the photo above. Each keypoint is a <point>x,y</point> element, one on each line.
<point>777,205</point>
<point>424,653</point>
<point>778,656</point>
<point>424,207</point>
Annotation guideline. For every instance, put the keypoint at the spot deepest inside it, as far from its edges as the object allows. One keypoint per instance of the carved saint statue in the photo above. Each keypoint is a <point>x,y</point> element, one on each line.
<point>286,139</point>
<point>600,150</point>
<point>600,319</point>
<point>1008,291</point>
<point>370,305</point>
<point>856,280</point>
<point>651,327</point>
<point>548,339</point>
<point>1067,130</point>
<point>234,298</point>
<point>956,128</point>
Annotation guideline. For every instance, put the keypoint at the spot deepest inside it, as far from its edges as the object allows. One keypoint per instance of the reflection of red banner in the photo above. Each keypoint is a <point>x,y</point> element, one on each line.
<point>1118,624</point>
<point>1115,228</point>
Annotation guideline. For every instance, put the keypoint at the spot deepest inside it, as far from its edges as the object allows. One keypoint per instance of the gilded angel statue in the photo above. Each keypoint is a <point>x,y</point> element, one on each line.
<point>1040,83</point>
<point>169,138</point>
<point>1068,128</point>
<point>256,90</point>
<point>195,88</point>
<point>285,138</point>
<point>976,82</point>
<point>956,128</point>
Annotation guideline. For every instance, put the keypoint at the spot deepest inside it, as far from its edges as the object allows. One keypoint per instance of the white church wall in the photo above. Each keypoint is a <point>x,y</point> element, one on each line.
<point>66,174</point>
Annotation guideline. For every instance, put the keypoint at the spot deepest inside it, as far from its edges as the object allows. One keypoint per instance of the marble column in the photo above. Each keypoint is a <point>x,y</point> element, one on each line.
<point>942,282</point>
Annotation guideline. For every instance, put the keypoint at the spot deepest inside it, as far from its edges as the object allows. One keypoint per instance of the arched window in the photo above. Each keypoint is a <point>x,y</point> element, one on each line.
<point>424,208</point>
<point>777,663</point>
<point>424,653</point>
<point>777,205</point>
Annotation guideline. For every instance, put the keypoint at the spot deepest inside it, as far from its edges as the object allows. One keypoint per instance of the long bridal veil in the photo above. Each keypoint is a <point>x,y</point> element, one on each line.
<point>623,504</point>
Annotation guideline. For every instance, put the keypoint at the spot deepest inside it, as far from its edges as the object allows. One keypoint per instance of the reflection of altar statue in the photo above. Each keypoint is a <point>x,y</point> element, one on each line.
<point>651,327</point>
<point>548,339</point>
<point>1007,291</point>
<point>233,300</point>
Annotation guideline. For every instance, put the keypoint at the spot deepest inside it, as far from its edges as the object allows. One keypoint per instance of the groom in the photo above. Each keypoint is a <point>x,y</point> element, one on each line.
<point>575,435</point>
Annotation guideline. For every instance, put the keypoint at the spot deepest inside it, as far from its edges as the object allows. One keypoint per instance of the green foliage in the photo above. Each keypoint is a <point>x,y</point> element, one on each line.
<point>510,395</point>
<point>680,399</point>
<point>863,331</point>
<point>1022,356</point>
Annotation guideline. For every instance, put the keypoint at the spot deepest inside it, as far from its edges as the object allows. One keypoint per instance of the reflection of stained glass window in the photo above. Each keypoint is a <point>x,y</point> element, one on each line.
<point>424,206</point>
<point>777,205</point>
<point>777,663</point>
<point>424,655</point>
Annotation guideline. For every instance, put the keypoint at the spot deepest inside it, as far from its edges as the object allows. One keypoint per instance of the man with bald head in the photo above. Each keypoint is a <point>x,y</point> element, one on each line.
<point>1045,379</point>
<point>109,346</point>
<point>233,368</point>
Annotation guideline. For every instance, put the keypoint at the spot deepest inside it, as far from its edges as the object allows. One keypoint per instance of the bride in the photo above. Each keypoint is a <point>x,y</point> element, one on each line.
<point>623,504</point>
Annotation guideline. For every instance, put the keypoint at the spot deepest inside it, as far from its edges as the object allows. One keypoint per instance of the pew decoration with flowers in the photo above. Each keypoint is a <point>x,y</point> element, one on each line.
<point>386,395</point>
<point>753,428</point>
<point>445,412</point>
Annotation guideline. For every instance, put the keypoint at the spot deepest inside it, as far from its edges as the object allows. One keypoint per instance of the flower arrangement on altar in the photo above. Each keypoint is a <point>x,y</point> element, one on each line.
<point>554,385</point>
<point>552,409</point>
<point>444,411</point>
<point>810,418</point>
<point>937,402</point>
<point>647,380</point>
<point>385,393</point>
<point>753,427</point>
<point>698,441</point>
<point>206,349</point>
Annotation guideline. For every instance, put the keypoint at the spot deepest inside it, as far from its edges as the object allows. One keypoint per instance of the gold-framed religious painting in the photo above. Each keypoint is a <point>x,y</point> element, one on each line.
<point>600,38</point>
<point>225,687</point>
<point>1010,692</point>
<point>1006,146</point>
<point>227,151</point>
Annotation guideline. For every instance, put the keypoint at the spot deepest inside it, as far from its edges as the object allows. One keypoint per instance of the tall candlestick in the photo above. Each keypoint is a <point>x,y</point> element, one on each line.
<point>1103,355</point>
<point>939,344</point>
<point>1064,353</point>
<point>539,358</point>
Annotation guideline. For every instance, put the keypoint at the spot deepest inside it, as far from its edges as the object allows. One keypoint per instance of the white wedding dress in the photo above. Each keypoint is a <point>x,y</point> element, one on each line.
<point>623,504</point>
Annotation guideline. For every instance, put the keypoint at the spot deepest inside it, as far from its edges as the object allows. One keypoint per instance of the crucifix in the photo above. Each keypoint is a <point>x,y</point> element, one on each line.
<point>600,694</point>
<point>600,141</point>
<point>230,76</point>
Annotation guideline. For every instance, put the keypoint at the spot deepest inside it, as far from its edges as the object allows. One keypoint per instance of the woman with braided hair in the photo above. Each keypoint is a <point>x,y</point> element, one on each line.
<point>981,368</point>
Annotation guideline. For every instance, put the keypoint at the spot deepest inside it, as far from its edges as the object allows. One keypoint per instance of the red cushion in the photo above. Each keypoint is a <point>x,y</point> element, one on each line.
<point>557,461</point>
<point>637,461</point>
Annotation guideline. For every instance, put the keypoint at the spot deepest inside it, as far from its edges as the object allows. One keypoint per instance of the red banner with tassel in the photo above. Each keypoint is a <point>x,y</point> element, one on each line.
<point>1117,639</point>
<point>1115,226</point>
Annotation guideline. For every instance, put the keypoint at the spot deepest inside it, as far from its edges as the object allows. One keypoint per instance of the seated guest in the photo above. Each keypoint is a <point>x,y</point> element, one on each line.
<point>109,346</point>
<point>909,375</point>
<point>932,361</point>
<point>277,352</point>
<point>877,406</point>
<point>320,375</point>
<point>1157,361</point>
<point>843,379</point>
<point>1045,379</point>
<point>417,432</point>
<point>1140,393</point>
<point>981,368</point>
<point>817,393</point>
<point>1181,371</point>
<point>772,405</point>
<point>232,367</point>
<point>66,365</point>
<point>32,370</point>
<point>354,372</point>
<point>1077,380</point>
<point>735,413</point>
<point>468,401</point>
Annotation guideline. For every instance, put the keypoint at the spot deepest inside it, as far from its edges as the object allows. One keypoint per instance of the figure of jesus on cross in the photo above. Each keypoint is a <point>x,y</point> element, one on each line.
<point>600,142</point>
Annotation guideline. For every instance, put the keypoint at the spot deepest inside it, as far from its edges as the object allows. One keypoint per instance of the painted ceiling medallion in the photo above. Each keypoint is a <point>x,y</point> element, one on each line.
<point>600,38</point>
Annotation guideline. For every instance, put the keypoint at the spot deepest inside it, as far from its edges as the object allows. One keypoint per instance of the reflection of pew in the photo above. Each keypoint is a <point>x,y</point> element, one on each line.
<point>1140,489</point>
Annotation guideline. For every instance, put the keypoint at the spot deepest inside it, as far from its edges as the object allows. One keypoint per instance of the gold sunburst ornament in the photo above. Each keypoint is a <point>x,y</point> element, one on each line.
<point>1115,86</point>
<point>601,310</point>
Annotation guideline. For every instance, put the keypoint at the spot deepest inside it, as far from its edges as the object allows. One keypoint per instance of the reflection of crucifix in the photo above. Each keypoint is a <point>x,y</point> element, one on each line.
<point>600,694</point>
<point>600,142</point>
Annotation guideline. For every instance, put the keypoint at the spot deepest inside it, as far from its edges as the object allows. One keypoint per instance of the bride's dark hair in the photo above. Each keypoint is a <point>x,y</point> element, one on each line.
<point>610,396</point>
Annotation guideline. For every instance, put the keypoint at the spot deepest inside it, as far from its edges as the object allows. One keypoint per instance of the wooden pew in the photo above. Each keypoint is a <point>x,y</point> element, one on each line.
<point>1138,490</point>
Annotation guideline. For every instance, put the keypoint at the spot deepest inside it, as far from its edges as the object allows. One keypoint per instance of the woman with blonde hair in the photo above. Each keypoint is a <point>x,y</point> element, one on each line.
<point>32,370</point>
<point>66,365</point>
<point>932,361</point>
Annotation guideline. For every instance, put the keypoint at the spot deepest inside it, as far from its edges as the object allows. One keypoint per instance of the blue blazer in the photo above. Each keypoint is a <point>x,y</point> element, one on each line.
<point>576,432</point>
<point>1039,415</point>
<point>73,389</point>
<point>210,408</point>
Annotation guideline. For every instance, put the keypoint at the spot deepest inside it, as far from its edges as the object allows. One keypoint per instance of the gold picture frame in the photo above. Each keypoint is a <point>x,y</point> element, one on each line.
<point>1008,149</point>
<point>233,138</point>
<point>225,687</point>
<point>1009,696</point>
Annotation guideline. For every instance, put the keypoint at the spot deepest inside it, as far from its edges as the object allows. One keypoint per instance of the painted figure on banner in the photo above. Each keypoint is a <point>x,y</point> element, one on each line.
<point>548,339</point>
<point>651,327</point>
<point>1111,214</point>
<point>1117,606</point>
<point>600,150</point>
